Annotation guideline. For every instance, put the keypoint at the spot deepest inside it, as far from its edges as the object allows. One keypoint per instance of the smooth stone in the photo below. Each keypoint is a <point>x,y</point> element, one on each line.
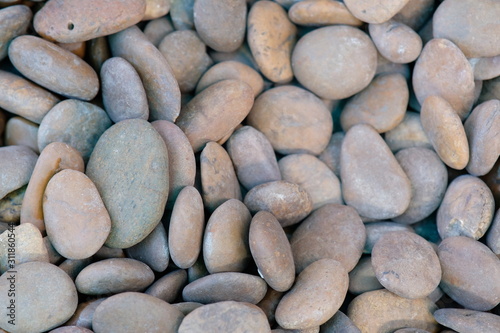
<point>416,13</point>
<point>198,270</point>
<point>362,278</point>
<point>231,69</point>
<point>46,295</point>
<point>114,276</point>
<point>385,66</point>
<point>225,243</point>
<point>208,15</point>
<point>187,307</point>
<point>135,312</point>
<point>228,286</point>
<point>317,294</point>
<point>253,157</point>
<point>215,112</point>
<point>409,133</point>
<point>375,11</point>
<point>485,68</point>
<point>269,303</point>
<point>381,191</point>
<point>109,253</point>
<point>478,35</point>
<point>98,52</point>
<point>375,230</point>
<point>15,22</point>
<point>73,267</point>
<point>181,161</point>
<point>288,202</point>
<point>331,155</point>
<point>313,176</point>
<point>152,250</point>
<point>493,236</point>
<point>463,320</point>
<point>123,94</point>
<point>168,287</point>
<point>75,217</point>
<point>131,149</point>
<point>67,22</point>
<point>490,90</point>
<point>10,206</point>
<point>28,246</point>
<point>157,29</point>
<point>181,13</point>
<point>455,82</point>
<point>332,231</point>
<point>397,260</point>
<point>156,9</point>
<point>314,53</point>
<point>320,13</point>
<point>271,251</point>
<point>162,90</point>
<point>16,167</point>
<point>186,53</point>
<point>287,115</point>
<point>20,131</point>
<point>242,55</point>
<point>271,37</point>
<point>396,41</point>
<point>445,131</point>
<point>382,104</point>
<point>71,329</point>
<point>218,178</point>
<point>339,323</point>
<point>84,313</point>
<point>492,179</point>
<point>481,127</point>
<point>187,223</point>
<point>225,317</point>
<point>53,67</point>
<point>428,177</point>
<point>467,208</point>
<point>382,311</point>
<point>79,124</point>
<point>471,273</point>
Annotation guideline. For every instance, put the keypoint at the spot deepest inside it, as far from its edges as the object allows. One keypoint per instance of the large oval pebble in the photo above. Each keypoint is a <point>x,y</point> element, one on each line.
<point>15,21</point>
<point>16,166</point>
<point>20,131</point>
<point>375,230</point>
<point>318,13</point>
<point>135,312</point>
<point>463,320</point>
<point>45,297</point>
<point>152,250</point>
<point>128,167</point>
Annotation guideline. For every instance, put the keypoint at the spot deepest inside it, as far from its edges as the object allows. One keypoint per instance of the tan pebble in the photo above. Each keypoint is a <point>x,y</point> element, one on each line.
<point>485,68</point>
<point>415,13</point>
<point>319,13</point>
<point>269,303</point>
<point>156,9</point>
<point>181,12</point>
<point>375,230</point>
<point>331,155</point>
<point>362,278</point>
<point>463,320</point>
<point>84,313</point>
<point>10,207</point>
<point>98,52</point>
<point>17,164</point>
<point>157,29</point>
<point>152,250</point>
<point>77,48</point>
<point>169,286</point>
<point>375,11</point>
<point>20,131</point>
<point>15,21</point>
<point>409,133</point>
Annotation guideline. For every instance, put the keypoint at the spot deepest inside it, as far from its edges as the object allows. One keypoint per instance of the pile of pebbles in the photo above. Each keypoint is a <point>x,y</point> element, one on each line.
<point>250,166</point>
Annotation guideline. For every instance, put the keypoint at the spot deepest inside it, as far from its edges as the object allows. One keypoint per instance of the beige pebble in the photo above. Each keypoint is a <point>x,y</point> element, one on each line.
<point>157,29</point>
<point>152,250</point>
<point>409,133</point>
<point>17,164</point>
<point>15,21</point>
<point>375,11</point>
<point>168,287</point>
<point>19,131</point>
<point>319,13</point>
<point>156,9</point>
<point>362,278</point>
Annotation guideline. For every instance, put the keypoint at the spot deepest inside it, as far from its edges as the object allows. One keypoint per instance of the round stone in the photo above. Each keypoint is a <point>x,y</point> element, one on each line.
<point>375,230</point>
<point>169,286</point>
<point>152,250</point>
<point>16,166</point>
<point>375,11</point>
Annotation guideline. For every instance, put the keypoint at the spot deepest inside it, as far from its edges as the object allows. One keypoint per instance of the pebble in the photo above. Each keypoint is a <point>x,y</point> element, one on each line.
<point>186,54</point>
<point>228,286</point>
<point>135,312</point>
<point>84,313</point>
<point>463,320</point>
<point>331,155</point>
<point>187,307</point>
<point>67,22</point>
<point>317,294</point>
<point>320,13</point>
<point>157,29</point>
<point>123,94</point>
<point>28,245</point>
<point>471,273</point>
<point>481,128</point>
<point>485,68</point>
<point>314,53</point>
<point>382,104</point>
<point>162,90</point>
<point>15,22</point>
<point>493,236</point>
<point>383,311</point>
<point>215,112</point>
<point>445,131</point>
<point>271,251</point>
<point>128,166</point>
<point>225,317</point>
<point>415,13</point>
<point>71,329</point>
<point>16,166</point>
<point>455,82</point>
<point>19,131</point>
<point>76,220</point>
<point>428,177</point>
<point>375,230</point>
<point>467,208</point>
<point>288,202</point>
<point>99,52</point>
<point>114,276</point>
<point>77,123</point>
<point>288,114</point>
<point>362,278</point>
<point>73,267</point>
<point>152,250</point>
<point>187,223</point>
<point>45,298</point>
<point>478,36</point>
<point>271,37</point>
<point>375,11</point>
<point>10,206</point>
<point>313,176</point>
<point>339,323</point>
<point>397,260</point>
<point>156,9</point>
<point>168,287</point>
<point>181,13</point>
<point>225,243</point>
<point>409,133</point>
<point>332,231</point>
<point>53,67</point>
<point>381,191</point>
